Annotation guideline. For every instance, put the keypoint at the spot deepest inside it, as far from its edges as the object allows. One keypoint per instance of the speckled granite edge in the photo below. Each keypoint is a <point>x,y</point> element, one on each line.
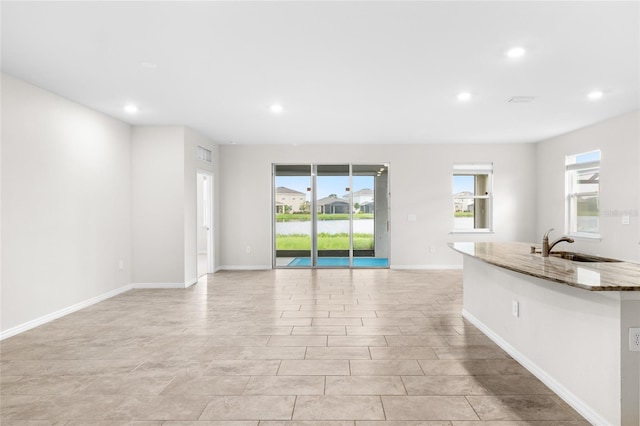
<point>618,276</point>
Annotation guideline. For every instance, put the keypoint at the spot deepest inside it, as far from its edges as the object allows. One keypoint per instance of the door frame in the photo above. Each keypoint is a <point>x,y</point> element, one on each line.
<point>314,213</point>
<point>211,266</point>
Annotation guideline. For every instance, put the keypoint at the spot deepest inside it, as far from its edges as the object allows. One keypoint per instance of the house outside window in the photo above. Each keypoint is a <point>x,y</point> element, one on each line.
<point>583,194</point>
<point>472,197</point>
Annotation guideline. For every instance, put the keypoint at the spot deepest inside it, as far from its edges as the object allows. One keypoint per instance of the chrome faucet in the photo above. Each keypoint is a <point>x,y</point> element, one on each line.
<point>546,247</point>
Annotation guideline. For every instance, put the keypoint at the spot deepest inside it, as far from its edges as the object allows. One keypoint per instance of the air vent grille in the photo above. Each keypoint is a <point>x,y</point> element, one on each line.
<point>204,154</point>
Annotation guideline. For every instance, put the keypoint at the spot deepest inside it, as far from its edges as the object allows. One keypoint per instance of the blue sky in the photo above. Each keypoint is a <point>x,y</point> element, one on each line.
<point>326,184</point>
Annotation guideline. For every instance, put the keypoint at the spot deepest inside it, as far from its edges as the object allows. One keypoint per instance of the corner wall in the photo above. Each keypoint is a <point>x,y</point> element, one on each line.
<point>619,142</point>
<point>164,219</point>
<point>66,204</point>
<point>420,184</point>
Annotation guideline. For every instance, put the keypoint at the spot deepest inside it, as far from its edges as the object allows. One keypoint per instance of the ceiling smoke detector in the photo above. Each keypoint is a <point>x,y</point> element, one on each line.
<point>521,99</point>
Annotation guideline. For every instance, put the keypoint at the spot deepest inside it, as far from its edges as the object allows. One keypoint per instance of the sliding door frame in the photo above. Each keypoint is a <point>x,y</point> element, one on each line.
<point>313,167</point>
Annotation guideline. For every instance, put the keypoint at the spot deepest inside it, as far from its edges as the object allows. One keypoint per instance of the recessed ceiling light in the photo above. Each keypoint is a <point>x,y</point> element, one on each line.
<point>131,109</point>
<point>276,108</point>
<point>595,95</point>
<point>464,96</point>
<point>515,52</point>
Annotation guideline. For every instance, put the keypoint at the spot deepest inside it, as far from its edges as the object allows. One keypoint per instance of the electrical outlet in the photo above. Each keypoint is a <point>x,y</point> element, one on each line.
<point>121,264</point>
<point>248,249</point>
<point>634,339</point>
<point>515,308</point>
<point>625,219</point>
<point>432,249</point>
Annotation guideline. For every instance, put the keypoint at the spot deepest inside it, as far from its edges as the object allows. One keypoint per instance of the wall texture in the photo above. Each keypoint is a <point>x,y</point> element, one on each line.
<point>420,184</point>
<point>66,203</point>
<point>619,141</point>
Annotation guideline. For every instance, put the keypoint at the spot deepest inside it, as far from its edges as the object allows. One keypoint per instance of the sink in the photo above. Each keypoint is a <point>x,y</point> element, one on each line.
<point>580,257</point>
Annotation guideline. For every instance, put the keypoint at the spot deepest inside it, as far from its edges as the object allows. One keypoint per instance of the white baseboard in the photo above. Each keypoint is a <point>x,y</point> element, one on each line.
<point>244,267</point>
<point>576,403</point>
<point>62,312</point>
<point>420,267</point>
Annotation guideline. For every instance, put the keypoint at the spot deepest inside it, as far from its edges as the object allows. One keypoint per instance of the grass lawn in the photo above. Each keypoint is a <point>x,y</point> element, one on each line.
<point>305,217</point>
<point>325,242</point>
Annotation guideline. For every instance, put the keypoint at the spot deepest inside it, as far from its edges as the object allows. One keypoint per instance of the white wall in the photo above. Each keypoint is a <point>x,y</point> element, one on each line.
<point>66,175</point>
<point>158,205</point>
<point>421,184</point>
<point>619,141</point>
<point>164,219</point>
<point>191,166</point>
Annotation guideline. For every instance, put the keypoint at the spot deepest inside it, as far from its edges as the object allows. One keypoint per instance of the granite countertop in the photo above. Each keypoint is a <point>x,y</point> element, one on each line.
<point>593,276</point>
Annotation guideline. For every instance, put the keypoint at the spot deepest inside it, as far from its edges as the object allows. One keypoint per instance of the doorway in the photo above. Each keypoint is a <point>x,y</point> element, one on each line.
<point>205,231</point>
<point>331,215</point>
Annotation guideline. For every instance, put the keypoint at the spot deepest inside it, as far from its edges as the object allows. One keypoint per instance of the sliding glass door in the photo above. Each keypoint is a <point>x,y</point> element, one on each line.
<point>331,215</point>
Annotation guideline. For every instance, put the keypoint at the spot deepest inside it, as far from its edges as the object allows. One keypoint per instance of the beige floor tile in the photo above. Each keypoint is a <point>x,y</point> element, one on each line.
<point>306,314</point>
<point>231,341</point>
<point>254,352</point>
<point>45,385</point>
<point>403,352</point>
<point>469,352</point>
<point>243,368</point>
<point>211,423</point>
<point>130,384</point>
<point>353,314</point>
<point>207,385</point>
<point>386,322</point>
<point>345,341</point>
<point>113,423</point>
<point>431,341</point>
<point>443,385</point>
<point>525,407</point>
<point>249,408</point>
<point>231,348</point>
<point>336,352</point>
<point>338,408</point>
<point>314,368</point>
<point>364,385</point>
<point>297,341</point>
<point>327,330</point>
<point>399,314</point>
<point>324,307</point>
<point>285,385</point>
<point>373,331</point>
<point>385,368</point>
<point>427,408</point>
<point>162,407</point>
<point>69,407</point>
<point>337,321</point>
<point>408,423</point>
<point>436,330</point>
<point>308,423</point>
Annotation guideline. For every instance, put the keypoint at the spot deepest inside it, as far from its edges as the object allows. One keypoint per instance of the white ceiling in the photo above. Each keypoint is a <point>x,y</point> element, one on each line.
<point>345,72</point>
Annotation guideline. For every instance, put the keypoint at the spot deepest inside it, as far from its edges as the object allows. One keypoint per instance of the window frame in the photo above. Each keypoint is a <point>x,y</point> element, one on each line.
<point>572,168</point>
<point>475,169</point>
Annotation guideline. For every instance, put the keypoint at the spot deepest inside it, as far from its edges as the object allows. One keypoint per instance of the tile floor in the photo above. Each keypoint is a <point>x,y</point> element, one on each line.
<point>274,348</point>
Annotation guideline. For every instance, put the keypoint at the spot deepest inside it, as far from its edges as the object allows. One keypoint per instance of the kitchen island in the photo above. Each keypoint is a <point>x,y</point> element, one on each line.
<point>567,322</point>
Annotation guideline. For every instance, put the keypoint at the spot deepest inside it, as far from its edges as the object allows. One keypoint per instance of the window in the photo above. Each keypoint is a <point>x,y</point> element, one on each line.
<point>472,197</point>
<point>583,194</point>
